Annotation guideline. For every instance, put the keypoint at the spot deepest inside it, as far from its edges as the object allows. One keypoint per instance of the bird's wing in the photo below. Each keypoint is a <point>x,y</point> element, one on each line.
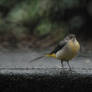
<point>59,46</point>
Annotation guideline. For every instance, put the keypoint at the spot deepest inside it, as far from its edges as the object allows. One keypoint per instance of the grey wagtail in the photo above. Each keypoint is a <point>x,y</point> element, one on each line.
<point>65,50</point>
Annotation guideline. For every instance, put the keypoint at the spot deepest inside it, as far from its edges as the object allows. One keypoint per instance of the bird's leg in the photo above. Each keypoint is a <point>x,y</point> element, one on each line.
<point>69,65</point>
<point>62,65</point>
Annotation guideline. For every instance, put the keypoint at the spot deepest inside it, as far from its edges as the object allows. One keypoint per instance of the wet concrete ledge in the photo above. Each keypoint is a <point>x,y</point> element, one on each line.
<point>43,80</point>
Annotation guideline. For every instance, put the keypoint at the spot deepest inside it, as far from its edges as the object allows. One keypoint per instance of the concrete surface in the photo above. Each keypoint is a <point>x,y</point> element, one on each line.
<point>22,59</point>
<point>17,73</point>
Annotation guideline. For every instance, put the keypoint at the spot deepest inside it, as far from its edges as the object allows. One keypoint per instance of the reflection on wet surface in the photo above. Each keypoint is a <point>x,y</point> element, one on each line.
<point>20,60</point>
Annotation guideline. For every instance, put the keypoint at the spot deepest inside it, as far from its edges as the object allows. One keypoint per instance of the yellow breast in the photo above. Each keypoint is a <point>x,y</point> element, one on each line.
<point>69,51</point>
<point>74,48</point>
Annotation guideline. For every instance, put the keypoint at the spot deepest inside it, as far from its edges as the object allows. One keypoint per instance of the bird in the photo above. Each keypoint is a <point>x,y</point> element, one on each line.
<point>65,50</point>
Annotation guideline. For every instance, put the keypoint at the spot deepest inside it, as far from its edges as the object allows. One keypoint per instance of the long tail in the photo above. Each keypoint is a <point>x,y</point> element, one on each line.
<point>37,58</point>
<point>47,55</point>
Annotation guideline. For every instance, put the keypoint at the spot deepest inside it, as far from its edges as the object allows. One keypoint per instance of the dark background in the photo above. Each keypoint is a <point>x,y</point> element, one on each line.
<point>43,23</point>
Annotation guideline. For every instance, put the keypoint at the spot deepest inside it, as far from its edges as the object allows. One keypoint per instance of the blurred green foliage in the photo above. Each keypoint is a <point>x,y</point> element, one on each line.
<point>43,28</point>
<point>39,18</point>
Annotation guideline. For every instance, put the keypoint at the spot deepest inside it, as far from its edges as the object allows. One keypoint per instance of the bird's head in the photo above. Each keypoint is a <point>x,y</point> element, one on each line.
<point>70,37</point>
